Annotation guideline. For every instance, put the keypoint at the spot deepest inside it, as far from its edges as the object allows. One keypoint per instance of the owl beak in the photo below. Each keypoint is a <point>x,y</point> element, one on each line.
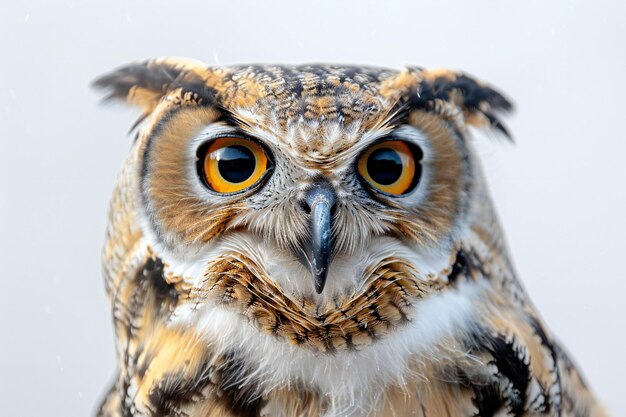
<point>320,202</point>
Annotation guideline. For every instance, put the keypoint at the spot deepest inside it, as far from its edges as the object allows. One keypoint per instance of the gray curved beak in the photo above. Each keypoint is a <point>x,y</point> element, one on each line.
<point>318,250</point>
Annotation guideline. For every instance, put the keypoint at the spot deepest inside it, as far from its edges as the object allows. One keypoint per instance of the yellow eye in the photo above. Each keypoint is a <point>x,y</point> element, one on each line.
<point>391,166</point>
<point>233,164</point>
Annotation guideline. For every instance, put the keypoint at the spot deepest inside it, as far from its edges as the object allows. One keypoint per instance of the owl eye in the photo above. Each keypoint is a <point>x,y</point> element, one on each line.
<point>232,164</point>
<point>391,166</point>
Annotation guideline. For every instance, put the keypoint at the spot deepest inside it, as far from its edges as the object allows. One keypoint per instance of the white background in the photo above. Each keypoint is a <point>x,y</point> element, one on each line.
<point>560,190</point>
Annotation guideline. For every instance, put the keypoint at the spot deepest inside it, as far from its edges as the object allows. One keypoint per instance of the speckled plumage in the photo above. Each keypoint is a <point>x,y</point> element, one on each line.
<point>422,314</point>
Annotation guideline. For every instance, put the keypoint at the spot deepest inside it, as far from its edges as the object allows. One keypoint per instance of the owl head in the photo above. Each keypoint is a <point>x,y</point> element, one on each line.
<point>322,202</point>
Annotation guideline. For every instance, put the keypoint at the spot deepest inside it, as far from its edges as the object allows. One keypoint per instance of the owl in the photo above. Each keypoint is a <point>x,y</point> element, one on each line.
<point>318,241</point>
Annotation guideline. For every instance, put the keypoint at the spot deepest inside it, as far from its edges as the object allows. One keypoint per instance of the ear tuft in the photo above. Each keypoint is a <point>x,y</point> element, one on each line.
<point>143,84</point>
<point>480,103</point>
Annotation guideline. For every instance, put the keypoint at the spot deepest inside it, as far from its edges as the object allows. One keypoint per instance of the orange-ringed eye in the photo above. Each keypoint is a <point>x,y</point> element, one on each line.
<point>233,164</point>
<point>391,166</point>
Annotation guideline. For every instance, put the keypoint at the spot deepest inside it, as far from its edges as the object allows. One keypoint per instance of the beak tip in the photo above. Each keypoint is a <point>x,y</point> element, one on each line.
<point>320,281</point>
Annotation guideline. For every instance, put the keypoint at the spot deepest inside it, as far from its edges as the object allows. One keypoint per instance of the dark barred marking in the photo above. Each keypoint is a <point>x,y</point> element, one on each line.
<point>240,398</point>
<point>459,267</point>
<point>556,356</point>
<point>175,390</point>
<point>512,365</point>
<point>487,400</point>
<point>152,271</point>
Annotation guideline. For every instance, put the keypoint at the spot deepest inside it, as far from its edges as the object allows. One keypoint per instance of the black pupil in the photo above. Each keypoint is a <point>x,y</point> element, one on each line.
<point>384,166</point>
<point>236,163</point>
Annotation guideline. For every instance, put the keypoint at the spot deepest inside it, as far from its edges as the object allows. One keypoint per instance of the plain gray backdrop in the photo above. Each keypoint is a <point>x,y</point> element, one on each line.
<point>560,190</point>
